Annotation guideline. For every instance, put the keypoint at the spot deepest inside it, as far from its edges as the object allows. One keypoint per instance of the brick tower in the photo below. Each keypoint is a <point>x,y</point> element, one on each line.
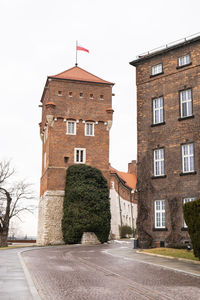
<point>76,119</point>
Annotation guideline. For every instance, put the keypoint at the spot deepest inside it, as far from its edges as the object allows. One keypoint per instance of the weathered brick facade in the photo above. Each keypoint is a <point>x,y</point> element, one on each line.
<point>170,134</point>
<point>78,96</point>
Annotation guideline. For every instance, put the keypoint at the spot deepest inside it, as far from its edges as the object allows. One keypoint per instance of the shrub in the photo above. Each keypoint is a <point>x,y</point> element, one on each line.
<point>86,206</point>
<point>177,245</point>
<point>192,218</point>
<point>125,231</point>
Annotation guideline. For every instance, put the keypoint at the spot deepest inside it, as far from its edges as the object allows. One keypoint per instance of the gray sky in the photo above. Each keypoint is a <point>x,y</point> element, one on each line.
<point>38,39</point>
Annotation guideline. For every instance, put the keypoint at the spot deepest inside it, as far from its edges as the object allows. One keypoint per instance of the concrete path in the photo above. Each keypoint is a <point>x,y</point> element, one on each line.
<point>15,281</point>
<point>184,266</point>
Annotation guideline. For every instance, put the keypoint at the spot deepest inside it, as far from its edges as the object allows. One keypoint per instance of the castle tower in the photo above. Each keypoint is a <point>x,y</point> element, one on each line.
<point>76,119</point>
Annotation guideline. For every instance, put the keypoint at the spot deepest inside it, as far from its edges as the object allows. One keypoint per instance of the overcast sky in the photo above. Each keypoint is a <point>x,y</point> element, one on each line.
<point>38,39</point>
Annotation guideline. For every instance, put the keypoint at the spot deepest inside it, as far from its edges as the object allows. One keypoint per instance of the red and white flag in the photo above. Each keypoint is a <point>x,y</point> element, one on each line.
<point>78,47</point>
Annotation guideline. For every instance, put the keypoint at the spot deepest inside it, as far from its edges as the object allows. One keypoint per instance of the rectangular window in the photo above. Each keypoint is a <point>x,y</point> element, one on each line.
<point>159,209</point>
<point>157,69</point>
<point>158,110</point>
<point>89,129</point>
<point>184,60</point>
<point>70,94</point>
<point>188,158</point>
<point>81,95</point>
<point>186,103</point>
<point>91,96</point>
<point>101,97</point>
<point>185,200</point>
<point>159,162</point>
<point>71,127</point>
<point>80,155</point>
<point>59,93</point>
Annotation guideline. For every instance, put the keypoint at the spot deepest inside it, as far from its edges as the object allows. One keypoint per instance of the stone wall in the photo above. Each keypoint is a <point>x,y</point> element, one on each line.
<point>50,214</point>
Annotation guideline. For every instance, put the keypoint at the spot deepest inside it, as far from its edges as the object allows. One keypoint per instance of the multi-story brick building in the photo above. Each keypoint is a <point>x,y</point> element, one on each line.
<point>76,119</point>
<point>168,131</point>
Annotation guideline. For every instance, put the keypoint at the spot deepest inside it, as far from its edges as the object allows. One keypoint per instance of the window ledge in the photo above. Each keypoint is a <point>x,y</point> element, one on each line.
<point>180,67</point>
<point>157,124</point>
<point>151,76</point>
<point>188,173</point>
<point>184,229</point>
<point>185,118</point>
<point>161,176</point>
<point>160,229</point>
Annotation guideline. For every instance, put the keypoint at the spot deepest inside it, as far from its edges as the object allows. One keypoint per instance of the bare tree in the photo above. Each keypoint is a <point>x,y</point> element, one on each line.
<point>15,197</point>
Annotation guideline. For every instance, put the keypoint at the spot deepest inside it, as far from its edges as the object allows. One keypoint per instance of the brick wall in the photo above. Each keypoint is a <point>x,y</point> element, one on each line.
<point>58,144</point>
<point>169,135</point>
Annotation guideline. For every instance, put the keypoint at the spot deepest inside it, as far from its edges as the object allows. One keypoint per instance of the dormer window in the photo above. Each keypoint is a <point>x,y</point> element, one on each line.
<point>157,69</point>
<point>184,60</point>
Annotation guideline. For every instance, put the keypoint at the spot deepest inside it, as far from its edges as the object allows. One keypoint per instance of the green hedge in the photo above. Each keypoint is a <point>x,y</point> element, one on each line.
<point>86,206</point>
<point>125,231</point>
<point>192,218</point>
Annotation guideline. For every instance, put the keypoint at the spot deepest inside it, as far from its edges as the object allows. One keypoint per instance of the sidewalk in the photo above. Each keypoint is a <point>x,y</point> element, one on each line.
<point>15,281</point>
<point>184,266</point>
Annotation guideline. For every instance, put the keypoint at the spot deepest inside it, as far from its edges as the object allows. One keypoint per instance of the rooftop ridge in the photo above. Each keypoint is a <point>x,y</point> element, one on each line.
<point>165,47</point>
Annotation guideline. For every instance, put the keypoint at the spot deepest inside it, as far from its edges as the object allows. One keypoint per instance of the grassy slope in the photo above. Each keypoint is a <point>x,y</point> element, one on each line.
<point>178,253</point>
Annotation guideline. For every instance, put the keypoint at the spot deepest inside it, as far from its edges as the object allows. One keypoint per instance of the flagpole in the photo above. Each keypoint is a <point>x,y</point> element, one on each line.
<point>76,64</point>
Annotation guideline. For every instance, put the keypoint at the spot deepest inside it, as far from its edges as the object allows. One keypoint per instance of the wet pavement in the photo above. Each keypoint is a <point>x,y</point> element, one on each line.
<point>111,271</point>
<point>14,284</point>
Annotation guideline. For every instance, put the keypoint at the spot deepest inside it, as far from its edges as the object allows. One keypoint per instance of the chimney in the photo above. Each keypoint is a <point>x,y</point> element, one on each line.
<point>132,167</point>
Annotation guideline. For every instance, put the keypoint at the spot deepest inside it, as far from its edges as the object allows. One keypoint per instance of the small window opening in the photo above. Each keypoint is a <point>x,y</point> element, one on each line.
<point>70,94</point>
<point>91,96</point>
<point>101,97</point>
<point>81,95</point>
<point>59,93</point>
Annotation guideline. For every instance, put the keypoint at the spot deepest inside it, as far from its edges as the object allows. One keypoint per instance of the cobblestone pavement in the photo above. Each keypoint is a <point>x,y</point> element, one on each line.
<point>103,273</point>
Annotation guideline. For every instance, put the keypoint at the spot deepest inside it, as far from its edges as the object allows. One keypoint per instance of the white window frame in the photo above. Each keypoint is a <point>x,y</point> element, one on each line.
<point>159,162</point>
<point>159,214</point>
<point>185,97</point>
<point>158,107</point>
<point>184,60</point>
<point>187,158</point>
<point>186,200</point>
<point>68,127</point>
<point>88,127</point>
<point>80,157</point>
<point>156,69</point>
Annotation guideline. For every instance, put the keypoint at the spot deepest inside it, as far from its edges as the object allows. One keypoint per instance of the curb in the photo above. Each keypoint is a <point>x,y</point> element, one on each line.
<point>32,288</point>
<point>170,257</point>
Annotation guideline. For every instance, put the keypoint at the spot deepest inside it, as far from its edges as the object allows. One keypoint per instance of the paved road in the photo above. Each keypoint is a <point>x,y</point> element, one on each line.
<point>109,272</point>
